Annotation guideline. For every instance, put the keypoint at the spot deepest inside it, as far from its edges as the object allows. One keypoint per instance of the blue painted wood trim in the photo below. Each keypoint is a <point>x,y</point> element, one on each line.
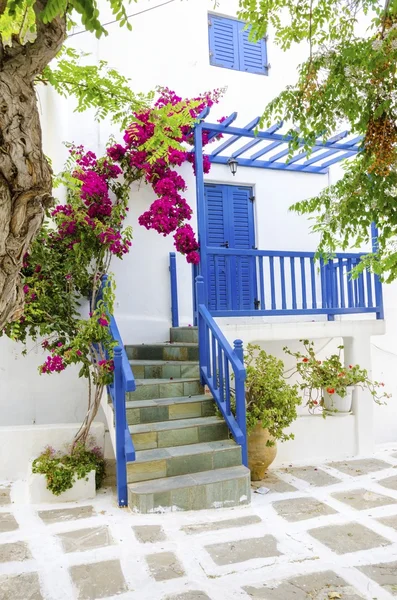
<point>120,428</point>
<point>251,125</point>
<point>241,132</point>
<point>210,337</point>
<point>174,291</point>
<point>266,164</point>
<point>253,143</point>
<point>201,206</point>
<point>226,122</point>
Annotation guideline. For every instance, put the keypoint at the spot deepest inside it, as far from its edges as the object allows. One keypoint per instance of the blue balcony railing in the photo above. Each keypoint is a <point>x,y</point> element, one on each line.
<point>265,282</point>
<point>123,382</point>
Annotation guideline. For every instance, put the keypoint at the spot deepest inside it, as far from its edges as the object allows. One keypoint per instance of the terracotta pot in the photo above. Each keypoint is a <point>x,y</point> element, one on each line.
<point>260,456</point>
<point>335,405</point>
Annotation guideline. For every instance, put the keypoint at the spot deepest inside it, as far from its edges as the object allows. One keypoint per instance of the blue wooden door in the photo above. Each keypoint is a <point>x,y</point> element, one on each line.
<point>230,224</point>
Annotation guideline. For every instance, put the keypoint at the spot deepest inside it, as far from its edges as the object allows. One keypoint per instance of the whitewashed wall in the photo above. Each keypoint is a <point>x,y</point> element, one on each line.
<point>169,46</point>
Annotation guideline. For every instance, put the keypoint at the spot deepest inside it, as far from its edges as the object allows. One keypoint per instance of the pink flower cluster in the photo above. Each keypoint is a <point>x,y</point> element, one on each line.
<point>106,365</point>
<point>53,364</point>
<point>170,211</point>
<point>114,240</point>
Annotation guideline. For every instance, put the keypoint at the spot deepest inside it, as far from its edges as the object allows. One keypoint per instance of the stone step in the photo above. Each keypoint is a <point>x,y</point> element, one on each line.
<point>166,351</point>
<point>169,409</point>
<point>184,334</point>
<point>208,489</point>
<point>147,389</point>
<point>182,460</point>
<point>178,433</point>
<point>164,369</point>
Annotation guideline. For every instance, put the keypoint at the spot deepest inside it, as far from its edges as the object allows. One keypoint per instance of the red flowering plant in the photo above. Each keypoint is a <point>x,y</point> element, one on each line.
<point>63,271</point>
<point>156,164</point>
<point>330,375</point>
<point>74,248</point>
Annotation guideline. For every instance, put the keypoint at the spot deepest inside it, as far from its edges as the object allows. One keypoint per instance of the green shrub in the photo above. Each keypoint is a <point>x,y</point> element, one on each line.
<point>61,469</point>
<point>270,400</point>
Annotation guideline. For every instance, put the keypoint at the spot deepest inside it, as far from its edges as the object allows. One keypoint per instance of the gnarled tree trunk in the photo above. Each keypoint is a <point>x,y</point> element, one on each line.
<point>25,175</point>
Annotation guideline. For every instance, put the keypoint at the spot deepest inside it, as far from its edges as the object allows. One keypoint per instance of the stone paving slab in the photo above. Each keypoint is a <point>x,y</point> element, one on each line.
<point>58,515</point>
<point>164,566</point>
<point>149,533</point>
<point>5,495</point>
<point>351,537</point>
<point>24,586</point>
<point>299,509</point>
<point>218,525</point>
<point>7,522</point>
<point>312,475</point>
<point>316,586</point>
<point>241,550</point>
<point>389,482</point>
<point>363,499</point>
<point>14,551</point>
<point>389,521</point>
<point>274,484</point>
<point>98,580</point>
<point>385,574</point>
<point>360,466</point>
<point>273,548</point>
<point>85,539</point>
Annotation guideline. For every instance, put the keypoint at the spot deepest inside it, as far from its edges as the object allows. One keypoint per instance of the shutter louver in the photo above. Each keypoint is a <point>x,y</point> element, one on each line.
<point>223,42</point>
<point>216,232</point>
<point>252,55</point>
<point>243,239</point>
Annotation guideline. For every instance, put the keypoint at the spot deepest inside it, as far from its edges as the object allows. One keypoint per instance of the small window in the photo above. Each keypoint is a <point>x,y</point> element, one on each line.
<point>231,48</point>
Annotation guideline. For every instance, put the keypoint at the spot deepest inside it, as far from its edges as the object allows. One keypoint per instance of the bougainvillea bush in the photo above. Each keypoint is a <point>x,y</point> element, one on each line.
<point>66,305</point>
<point>170,212</point>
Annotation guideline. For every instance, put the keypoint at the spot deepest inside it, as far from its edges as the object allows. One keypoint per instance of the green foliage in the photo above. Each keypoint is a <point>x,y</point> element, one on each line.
<point>330,375</point>
<point>20,23</point>
<point>270,400</point>
<point>350,77</point>
<point>87,10</point>
<point>94,86</point>
<point>61,470</point>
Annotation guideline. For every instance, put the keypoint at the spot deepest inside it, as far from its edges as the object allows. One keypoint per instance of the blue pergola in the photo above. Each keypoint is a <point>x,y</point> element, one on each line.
<point>331,292</point>
<point>269,149</point>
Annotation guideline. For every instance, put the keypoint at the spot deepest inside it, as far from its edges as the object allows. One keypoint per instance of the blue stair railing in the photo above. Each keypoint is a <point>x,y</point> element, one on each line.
<point>174,291</point>
<point>123,382</point>
<point>219,364</point>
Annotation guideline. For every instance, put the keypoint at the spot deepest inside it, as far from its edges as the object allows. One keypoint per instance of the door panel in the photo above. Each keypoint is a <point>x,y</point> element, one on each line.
<point>230,219</point>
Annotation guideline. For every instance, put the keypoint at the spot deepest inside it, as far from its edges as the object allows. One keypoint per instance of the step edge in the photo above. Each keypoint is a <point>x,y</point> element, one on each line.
<point>180,481</point>
<point>191,422</point>
<point>232,446</point>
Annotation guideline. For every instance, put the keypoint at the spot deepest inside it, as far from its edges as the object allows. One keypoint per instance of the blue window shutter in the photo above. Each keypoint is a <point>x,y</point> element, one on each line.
<point>223,42</point>
<point>217,231</point>
<point>252,55</point>
<point>243,237</point>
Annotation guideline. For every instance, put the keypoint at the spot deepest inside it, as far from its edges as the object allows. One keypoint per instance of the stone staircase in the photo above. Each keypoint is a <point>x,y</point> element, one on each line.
<point>184,457</point>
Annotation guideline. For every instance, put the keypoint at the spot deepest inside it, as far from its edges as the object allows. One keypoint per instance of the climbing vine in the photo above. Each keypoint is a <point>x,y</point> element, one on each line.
<point>66,306</point>
<point>170,212</point>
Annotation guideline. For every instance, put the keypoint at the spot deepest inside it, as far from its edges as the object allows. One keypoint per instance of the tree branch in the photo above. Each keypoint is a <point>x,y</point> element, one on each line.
<point>48,42</point>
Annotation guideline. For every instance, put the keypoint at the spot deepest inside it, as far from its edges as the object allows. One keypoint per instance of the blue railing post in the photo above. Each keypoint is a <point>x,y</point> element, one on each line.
<point>378,283</point>
<point>195,273</point>
<point>200,295</point>
<point>240,401</point>
<point>201,207</point>
<point>174,291</point>
<point>120,427</point>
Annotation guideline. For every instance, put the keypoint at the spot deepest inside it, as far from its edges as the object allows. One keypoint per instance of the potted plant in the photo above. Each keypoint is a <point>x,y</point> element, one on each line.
<point>67,476</point>
<point>329,383</point>
<point>271,404</point>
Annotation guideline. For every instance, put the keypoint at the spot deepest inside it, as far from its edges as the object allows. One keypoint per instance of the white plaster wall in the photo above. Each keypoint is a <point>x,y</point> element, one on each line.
<point>169,46</point>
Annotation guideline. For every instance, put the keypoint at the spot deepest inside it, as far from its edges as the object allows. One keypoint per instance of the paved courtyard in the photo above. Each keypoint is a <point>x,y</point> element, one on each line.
<point>327,532</point>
